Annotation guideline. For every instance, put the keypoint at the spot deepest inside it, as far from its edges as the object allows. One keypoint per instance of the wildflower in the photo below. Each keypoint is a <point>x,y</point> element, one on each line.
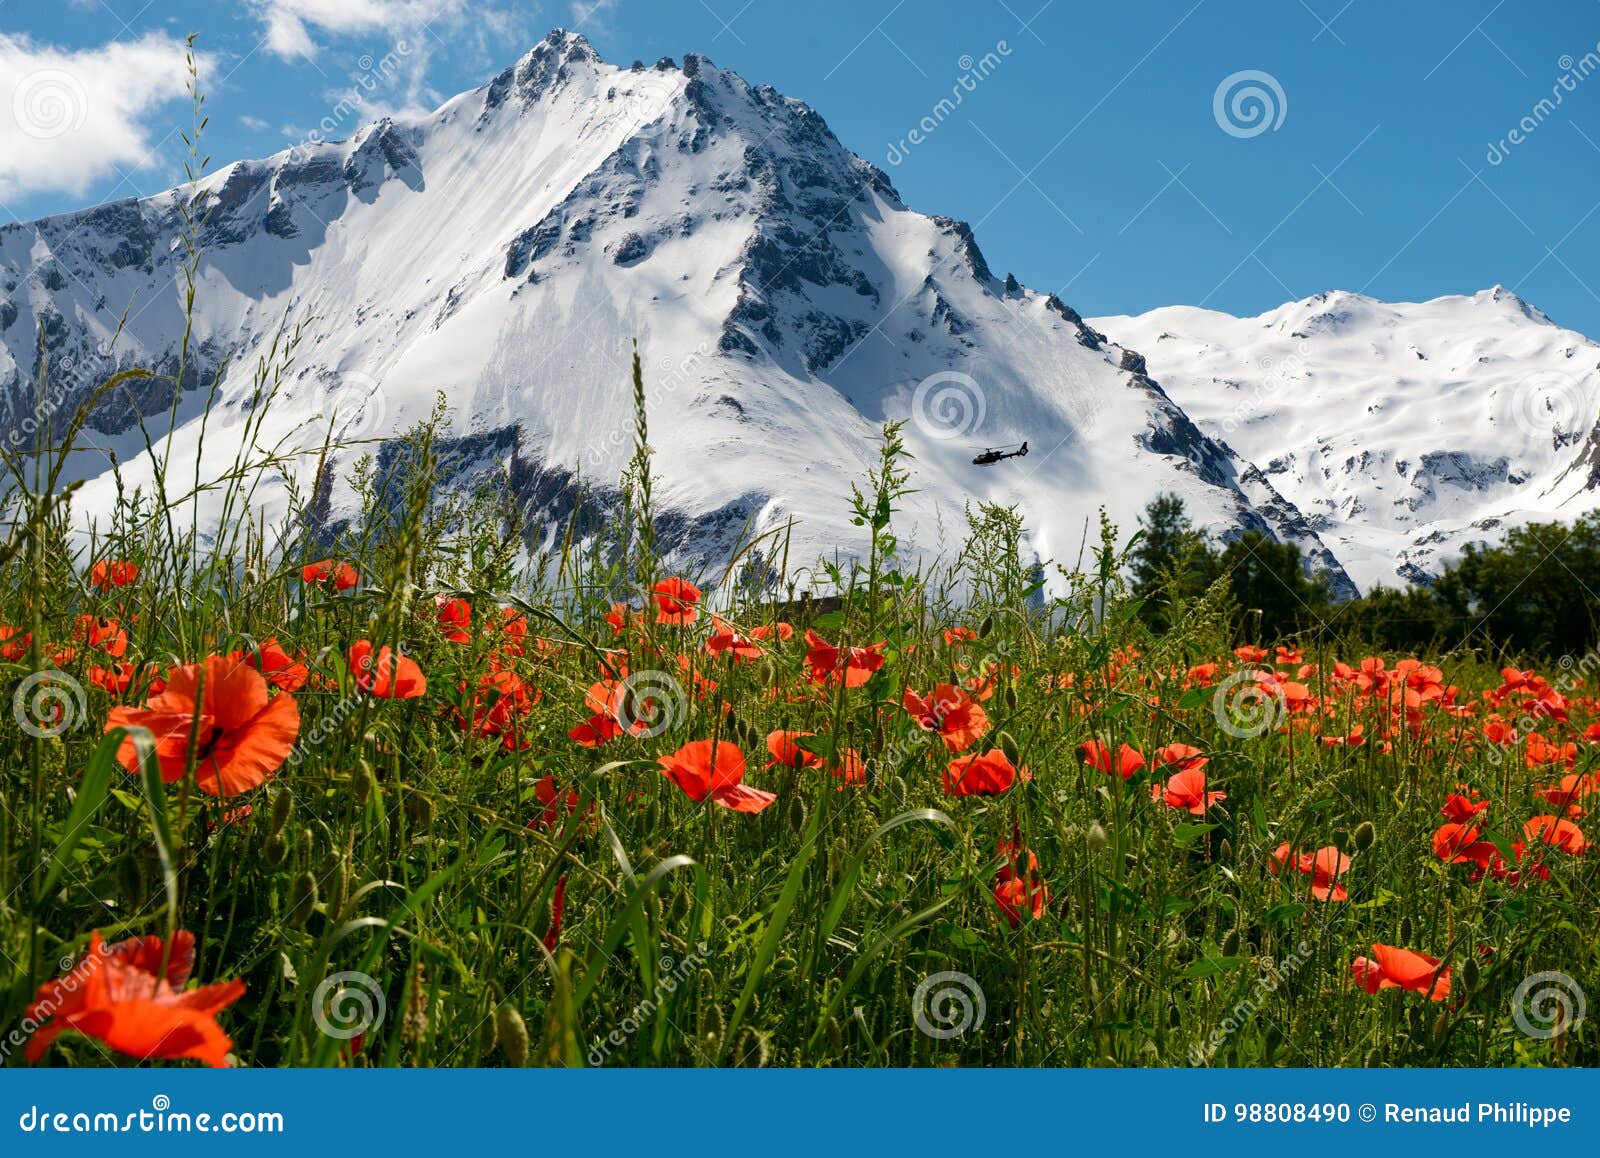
<point>341,575</point>
<point>1186,757</point>
<point>281,670</point>
<point>106,634</point>
<point>851,666</point>
<point>951,714</point>
<point>113,573</point>
<point>703,768</point>
<point>1325,867</point>
<point>787,753</point>
<point>220,709</point>
<point>1125,763</point>
<point>675,601</point>
<point>987,775</point>
<point>1557,833</point>
<point>727,641</point>
<point>1187,790</point>
<point>455,617</point>
<point>1392,968</point>
<point>387,676</point>
<point>114,679</point>
<point>1462,809</point>
<point>14,642</point>
<point>850,767</point>
<point>117,995</point>
<point>1017,893</point>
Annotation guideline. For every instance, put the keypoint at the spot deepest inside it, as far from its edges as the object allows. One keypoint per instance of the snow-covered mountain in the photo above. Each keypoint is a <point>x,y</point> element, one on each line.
<point>510,247</point>
<point>1400,431</point>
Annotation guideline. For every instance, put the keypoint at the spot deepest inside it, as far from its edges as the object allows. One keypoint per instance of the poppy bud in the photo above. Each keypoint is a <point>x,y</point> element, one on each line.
<point>1225,849</point>
<point>1096,838</point>
<point>337,876</point>
<point>1471,973</point>
<point>795,814</point>
<point>1010,697</point>
<point>1441,1027</point>
<point>513,1034</point>
<point>1405,930</point>
<point>1364,836</point>
<point>282,804</point>
<point>1008,745</point>
<point>419,808</point>
<point>277,848</point>
<point>986,626</point>
<point>751,1051</point>
<point>1230,943</point>
<point>302,900</point>
<point>488,1036</point>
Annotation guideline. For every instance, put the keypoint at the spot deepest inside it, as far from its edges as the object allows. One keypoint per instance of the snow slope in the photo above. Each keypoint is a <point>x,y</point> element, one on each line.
<point>510,247</point>
<point>1401,431</point>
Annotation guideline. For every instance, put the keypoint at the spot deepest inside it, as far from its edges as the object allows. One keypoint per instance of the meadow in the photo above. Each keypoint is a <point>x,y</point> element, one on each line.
<point>404,793</point>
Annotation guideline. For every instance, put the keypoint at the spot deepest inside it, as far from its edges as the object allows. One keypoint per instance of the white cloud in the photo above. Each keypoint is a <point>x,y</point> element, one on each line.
<point>69,118</point>
<point>255,124</point>
<point>292,24</point>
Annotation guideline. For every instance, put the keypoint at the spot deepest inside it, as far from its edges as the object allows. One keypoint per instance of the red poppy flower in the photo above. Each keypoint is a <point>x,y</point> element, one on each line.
<point>1460,844</point>
<point>950,713</point>
<point>781,631</point>
<point>701,768</point>
<point>1325,867</point>
<point>114,679</point>
<point>106,634</point>
<point>221,709</point>
<point>113,573</point>
<point>1557,833</point>
<point>1187,790</point>
<point>14,642</point>
<point>852,666</point>
<point>1462,809</point>
<point>342,575</point>
<point>1395,968</point>
<point>727,641</point>
<point>1096,755</point>
<point>617,617</point>
<point>675,601</point>
<point>117,995</point>
<point>956,636</point>
<point>987,775</point>
<point>787,753</point>
<point>280,668</point>
<point>513,630</point>
<point>1185,756</point>
<point>850,767</point>
<point>455,618</point>
<point>386,675</point>
<point>1018,893</point>
<point>596,730</point>
<point>1571,788</point>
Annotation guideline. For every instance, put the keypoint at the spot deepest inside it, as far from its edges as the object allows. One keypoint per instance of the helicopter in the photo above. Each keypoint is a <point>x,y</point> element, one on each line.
<point>995,454</point>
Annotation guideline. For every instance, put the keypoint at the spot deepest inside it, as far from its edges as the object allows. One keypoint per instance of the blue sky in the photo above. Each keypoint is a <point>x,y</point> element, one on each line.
<point>1087,149</point>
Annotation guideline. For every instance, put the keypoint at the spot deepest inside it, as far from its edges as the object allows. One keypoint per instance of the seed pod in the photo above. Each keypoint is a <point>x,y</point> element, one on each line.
<point>1472,974</point>
<point>336,875</point>
<point>512,1032</point>
<point>488,1035</point>
<point>1009,697</point>
<point>986,626</point>
<point>302,900</point>
<point>1364,836</point>
<point>1441,1027</point>
<point>1225,849</point>
<point>1405,930</point>
<point>1095,838</point>
<point>282,805</point>
<point>1007,744</point>
<point>277,848</point>
<point>795,814</point>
